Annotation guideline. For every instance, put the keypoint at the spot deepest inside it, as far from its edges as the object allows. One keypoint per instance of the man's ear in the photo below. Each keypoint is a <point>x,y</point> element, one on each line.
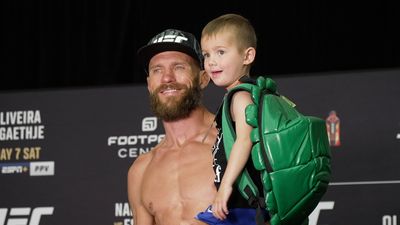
<point>148,87</point>
<point>204,79</point>
<point>250,55</point>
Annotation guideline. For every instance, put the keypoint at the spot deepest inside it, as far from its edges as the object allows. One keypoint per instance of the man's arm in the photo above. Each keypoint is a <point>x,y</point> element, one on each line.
<point>135,175</point>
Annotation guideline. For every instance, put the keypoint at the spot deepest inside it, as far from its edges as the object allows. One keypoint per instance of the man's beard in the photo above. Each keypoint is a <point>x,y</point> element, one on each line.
<point>175,108</point>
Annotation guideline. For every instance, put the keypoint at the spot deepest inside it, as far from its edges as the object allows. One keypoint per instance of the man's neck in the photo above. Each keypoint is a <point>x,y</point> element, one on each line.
<point>192,127</point>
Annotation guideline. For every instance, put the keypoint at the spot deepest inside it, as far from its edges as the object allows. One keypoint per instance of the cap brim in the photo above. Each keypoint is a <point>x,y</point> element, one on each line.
<point>147,52</point>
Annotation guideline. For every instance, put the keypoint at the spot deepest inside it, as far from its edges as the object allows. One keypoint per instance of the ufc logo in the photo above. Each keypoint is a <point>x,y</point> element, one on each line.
<point>313,218</point>
<point>170,38</point>
<point>23,215</point>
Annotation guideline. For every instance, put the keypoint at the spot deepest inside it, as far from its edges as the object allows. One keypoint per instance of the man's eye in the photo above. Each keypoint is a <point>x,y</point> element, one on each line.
<point>179,67</point>
<point>155,70</point>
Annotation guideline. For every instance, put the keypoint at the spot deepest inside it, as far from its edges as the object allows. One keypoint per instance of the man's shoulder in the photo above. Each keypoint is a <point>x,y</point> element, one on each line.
<point>141,162</point>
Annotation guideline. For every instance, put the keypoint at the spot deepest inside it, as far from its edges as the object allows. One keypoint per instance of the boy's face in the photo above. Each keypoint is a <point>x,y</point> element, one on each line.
<point>224,61</point>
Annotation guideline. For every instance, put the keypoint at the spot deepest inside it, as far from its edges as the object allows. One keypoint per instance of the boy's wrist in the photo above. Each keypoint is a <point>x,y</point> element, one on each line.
<point>225,185</point>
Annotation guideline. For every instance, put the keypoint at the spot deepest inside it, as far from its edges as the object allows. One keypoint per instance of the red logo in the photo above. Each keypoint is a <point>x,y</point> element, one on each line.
<point>333,128</point>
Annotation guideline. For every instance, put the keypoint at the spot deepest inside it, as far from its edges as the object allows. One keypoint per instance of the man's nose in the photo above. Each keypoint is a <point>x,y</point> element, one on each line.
<point>168,76</point>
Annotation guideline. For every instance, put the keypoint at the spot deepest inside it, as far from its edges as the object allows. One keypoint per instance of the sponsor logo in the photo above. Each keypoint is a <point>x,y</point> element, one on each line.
<point>131,146</point>
<point>149,124</point>
<point>14,168</point>
<point>45,168</point>
<point>42,168</point>
<point>171,38</point>
<point>133,140</point>
<point>21,215</point>
<point>333,129</point>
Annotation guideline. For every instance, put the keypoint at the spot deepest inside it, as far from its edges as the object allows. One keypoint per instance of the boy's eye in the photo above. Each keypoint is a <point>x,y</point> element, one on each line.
<point>221,52</point>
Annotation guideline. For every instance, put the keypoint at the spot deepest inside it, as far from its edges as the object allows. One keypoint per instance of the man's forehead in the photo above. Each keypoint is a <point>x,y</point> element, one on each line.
<point>170,56</point>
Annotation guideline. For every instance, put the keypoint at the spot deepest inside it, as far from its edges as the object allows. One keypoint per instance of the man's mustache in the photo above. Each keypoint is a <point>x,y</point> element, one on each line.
<point>169,86</point>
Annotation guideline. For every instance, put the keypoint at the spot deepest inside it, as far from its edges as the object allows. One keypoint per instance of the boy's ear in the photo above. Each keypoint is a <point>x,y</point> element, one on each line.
<point>204,79</point>
<point>250,55</point>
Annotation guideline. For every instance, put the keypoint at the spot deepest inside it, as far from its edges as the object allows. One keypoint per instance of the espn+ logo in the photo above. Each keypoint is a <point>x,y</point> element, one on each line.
<point>23,215</point>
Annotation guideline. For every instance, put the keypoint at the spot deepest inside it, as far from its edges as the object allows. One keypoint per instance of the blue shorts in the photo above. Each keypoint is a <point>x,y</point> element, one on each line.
<point>236,216</point>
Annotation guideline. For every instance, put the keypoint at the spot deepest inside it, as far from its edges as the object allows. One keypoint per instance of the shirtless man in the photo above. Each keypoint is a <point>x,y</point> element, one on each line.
<point>173,182</point>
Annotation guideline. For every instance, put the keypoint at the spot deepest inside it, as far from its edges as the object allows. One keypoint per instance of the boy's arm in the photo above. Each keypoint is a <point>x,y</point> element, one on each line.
<point>239,154</point>
<point>135,175</point>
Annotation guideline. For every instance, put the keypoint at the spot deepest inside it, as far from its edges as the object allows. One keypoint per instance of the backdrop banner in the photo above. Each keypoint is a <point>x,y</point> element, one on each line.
<point>65,153</point>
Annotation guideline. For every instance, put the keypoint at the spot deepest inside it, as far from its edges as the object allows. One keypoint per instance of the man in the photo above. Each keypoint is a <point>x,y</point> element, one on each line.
<point>173,182</point>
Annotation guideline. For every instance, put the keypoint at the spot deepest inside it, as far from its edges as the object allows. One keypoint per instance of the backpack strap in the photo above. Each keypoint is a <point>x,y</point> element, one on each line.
<point>261,87</point>
<point>257,88</point>
<point>245,184</point>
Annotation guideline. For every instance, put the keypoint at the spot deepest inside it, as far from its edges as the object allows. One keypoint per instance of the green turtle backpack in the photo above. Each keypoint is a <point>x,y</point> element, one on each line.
<point>290,150</point>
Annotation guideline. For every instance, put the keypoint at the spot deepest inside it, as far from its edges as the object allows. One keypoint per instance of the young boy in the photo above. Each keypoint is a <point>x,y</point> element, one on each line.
<point>229,48</point>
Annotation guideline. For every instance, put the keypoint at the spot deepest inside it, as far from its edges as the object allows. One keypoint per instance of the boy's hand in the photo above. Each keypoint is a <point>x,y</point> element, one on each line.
<point>220,205</point>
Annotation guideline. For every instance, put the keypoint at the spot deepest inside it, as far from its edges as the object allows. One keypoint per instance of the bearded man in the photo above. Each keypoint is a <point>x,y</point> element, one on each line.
<point>174,181</point>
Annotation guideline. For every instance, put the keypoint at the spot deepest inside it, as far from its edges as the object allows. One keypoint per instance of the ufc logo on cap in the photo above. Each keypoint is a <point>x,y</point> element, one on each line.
<point>171,38</point>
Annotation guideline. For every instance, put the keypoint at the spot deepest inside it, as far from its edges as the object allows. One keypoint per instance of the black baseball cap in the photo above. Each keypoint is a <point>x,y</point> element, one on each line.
<point>171,40</point>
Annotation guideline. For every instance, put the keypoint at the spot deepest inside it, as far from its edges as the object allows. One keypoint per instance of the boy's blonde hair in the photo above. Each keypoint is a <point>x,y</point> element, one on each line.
<point>241,28</point>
